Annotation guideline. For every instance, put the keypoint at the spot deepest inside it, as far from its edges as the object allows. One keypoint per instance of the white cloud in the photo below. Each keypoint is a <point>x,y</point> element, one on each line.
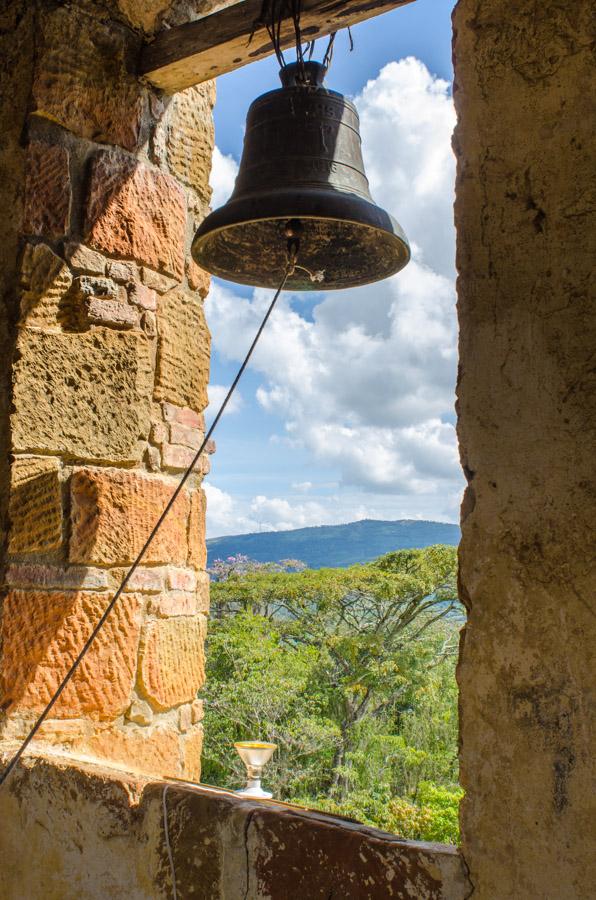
<point>366,382</point>
<point>223,175</point>
<point>217,394</point>
<point>303,486</point>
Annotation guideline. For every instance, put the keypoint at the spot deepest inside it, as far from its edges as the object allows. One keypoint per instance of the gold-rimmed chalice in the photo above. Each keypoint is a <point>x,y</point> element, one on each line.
<point>255,755</point>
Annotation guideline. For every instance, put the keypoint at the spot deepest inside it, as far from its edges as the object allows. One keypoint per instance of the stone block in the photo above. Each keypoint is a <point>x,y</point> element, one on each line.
<point>185,718</point>
<point>159,433</point>
<point>46,281</point>
<point>136,212</point>
<point>198,279</point>
<point>113,513</point>
<point>149,324</point>
<point>202,592</point>
<point>183,416</point>
<point>35,505</point>
<point>197,711</point>
<point>151,751</point>
<point>110,313</point>
<point>86,395</point>
<point>142,296</point>
<point>143,14</point>
<point>83,259</point>
<point>153,459</point>
<point>176,457</point>
<point>87,286</point>
<point>43,631</point>
<point>147,580</point>
<point>174,603</point>
<point>156,281</point>
<point>171,666</point>
<point>192,746</point>
<point>140,712</point>
<point>197,548</point>
<point>183,351</point>
<point>189,437</point>
<point>35,575</point>
<point>123,272</point>
<point>182,579</point>
<point>48,192</point>
<point>84,78</point>
<point>185,136</point>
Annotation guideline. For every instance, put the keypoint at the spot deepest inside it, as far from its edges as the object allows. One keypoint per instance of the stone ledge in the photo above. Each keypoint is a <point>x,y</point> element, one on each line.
<point>231,847</point>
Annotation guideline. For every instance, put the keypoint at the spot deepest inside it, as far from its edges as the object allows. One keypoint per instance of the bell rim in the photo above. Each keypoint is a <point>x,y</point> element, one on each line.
<point>397,235</point>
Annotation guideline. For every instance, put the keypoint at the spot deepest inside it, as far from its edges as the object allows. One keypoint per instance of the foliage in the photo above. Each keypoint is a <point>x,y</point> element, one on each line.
<point>350,672</point>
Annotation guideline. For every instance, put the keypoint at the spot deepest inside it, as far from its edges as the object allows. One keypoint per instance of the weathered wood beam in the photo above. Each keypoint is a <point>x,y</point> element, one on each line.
<point>218,43</point>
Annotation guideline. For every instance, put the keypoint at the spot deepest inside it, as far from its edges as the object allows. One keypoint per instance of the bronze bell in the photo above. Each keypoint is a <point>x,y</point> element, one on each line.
<point>302,160</point>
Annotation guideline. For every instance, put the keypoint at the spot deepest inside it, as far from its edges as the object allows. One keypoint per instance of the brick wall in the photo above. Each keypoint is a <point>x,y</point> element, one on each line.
<point>105,363</point>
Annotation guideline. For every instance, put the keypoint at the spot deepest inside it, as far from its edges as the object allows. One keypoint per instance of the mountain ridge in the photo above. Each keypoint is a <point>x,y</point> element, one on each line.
<point>335,545</point>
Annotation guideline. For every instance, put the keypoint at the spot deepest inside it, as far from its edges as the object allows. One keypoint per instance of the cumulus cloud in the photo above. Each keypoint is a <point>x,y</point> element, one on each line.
<point>217,393</point>
<point>223,175</point>
<point>365,381</point>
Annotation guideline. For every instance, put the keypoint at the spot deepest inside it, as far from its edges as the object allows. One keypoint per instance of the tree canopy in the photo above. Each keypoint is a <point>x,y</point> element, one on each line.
<point>349,671</point>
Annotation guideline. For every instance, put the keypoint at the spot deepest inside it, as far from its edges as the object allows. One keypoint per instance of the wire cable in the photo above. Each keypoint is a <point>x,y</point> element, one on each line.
<point>292,253</point>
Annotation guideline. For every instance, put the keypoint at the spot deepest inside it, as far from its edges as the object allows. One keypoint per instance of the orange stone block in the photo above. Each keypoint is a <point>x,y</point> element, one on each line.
<point>136,213</point>
<point>172,666</point>
<point>191,754</point>
<point>114,511</point>
<point>151,751</point>
<point>42,633</point>
<point>197,548</point>
<point>35,506</point>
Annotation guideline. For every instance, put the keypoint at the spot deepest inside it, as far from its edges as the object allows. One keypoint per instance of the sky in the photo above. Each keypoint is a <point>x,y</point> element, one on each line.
<point>347,409</point>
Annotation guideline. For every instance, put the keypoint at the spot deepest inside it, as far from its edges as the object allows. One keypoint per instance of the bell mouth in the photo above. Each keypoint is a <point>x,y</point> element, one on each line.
<point>348,238</point>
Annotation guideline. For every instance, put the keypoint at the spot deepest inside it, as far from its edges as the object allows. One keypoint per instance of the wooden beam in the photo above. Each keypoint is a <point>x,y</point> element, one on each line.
<point>218,43</point>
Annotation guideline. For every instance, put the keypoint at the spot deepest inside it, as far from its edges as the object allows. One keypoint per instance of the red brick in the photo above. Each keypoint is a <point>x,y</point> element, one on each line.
<point>136,212</point>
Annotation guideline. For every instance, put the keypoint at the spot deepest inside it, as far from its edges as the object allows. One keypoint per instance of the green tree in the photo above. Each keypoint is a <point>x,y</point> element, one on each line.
<point>364,626</point>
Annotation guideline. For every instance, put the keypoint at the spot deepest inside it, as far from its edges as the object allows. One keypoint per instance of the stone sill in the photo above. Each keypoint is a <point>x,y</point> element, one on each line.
<point>223,846</point>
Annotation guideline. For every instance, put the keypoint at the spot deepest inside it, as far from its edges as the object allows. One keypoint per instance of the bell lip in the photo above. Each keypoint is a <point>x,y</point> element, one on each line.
<point>391,227</point>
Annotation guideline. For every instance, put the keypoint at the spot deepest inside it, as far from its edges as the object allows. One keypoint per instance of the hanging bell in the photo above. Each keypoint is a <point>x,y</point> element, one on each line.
<point>301,175</point>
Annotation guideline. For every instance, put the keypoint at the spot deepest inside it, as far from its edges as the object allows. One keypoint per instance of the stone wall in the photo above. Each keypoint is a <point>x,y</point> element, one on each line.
<point>103,376</point>
<point>527,428</point>
<point>95,833</point>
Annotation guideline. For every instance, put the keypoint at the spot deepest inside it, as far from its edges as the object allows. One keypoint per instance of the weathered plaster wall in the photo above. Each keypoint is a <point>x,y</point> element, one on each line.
<point>104,367</point>
<point>95,833</point>
<point>524,93</point>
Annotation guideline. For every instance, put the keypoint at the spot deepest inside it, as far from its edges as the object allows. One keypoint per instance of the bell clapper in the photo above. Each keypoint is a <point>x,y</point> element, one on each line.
<point>292,230</point>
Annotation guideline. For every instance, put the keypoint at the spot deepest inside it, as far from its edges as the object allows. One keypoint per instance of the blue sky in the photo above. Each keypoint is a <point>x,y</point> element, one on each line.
<point>347,411</point>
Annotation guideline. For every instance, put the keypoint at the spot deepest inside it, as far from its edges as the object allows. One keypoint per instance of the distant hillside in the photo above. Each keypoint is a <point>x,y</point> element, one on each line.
<point>334,545</point>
